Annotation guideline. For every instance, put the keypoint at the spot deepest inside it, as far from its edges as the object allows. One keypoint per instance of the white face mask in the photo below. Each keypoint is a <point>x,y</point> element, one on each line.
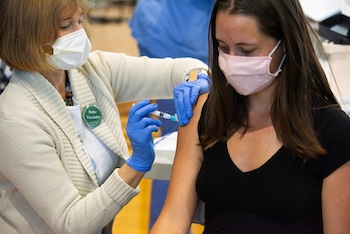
<point>248,75</point>
<point>70,51</point>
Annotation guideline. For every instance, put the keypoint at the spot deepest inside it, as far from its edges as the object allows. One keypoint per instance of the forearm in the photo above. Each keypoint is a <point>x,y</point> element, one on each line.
<point>135,78</point>
<point>164,225</point>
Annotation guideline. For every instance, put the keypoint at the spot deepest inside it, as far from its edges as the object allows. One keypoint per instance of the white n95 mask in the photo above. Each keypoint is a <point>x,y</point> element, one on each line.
<point>70,51</point>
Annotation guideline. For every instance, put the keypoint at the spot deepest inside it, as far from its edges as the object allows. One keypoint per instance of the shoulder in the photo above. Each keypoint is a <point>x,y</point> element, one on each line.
<point>107,64</point>
<point>200,105</point>
<point>333,130</point>
<point>332,122</point>
<point>98,57</point>
<point>192,127</point>
<point>18,99</point>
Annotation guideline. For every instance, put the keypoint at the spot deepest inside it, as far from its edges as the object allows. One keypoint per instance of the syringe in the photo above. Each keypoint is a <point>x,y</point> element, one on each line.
<point>165,115</point>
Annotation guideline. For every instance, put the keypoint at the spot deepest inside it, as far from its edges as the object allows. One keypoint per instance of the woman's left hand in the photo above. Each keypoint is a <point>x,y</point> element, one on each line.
<point>186,95</point>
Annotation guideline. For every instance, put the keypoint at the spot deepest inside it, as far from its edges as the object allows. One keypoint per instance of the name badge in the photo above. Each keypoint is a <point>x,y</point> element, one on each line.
<point>92,116</point>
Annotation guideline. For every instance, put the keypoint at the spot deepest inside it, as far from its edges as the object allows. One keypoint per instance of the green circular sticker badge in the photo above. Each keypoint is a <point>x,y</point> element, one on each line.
<point>92,116</point>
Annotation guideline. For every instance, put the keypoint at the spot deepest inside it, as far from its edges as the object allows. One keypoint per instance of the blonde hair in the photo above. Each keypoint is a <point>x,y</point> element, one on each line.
<point>27,27</point>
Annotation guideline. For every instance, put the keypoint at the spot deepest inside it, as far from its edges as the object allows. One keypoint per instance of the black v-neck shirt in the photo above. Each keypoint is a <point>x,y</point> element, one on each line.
<point>281,196</point>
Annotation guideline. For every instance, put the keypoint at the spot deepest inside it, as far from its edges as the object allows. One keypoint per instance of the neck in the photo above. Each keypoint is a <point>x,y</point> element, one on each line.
<point>58,80</point>
<point>259,110</point>
<point>261,102</point>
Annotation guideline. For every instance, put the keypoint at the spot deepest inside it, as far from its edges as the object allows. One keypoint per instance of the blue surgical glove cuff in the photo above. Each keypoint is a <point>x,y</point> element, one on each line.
<point>204,81</point>
<point>139,165</point>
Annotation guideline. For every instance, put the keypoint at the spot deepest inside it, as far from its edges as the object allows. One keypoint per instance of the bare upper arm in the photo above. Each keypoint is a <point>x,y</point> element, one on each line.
<point>336,201</point>
<point>181,200</point>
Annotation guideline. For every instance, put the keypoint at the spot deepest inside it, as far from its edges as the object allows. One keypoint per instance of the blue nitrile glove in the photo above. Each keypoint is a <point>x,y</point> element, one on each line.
<point>139,129</point>
<point>186,95</point>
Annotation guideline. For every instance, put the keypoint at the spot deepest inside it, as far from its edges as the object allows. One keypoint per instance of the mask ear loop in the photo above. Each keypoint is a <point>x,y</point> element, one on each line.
<point>282,61</point>
<point>275,48</point>
<point>279,69</point>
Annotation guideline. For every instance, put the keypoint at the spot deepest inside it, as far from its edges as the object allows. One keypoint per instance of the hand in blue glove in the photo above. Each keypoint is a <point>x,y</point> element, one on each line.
<point>186,95</point>
<point>139,129</point>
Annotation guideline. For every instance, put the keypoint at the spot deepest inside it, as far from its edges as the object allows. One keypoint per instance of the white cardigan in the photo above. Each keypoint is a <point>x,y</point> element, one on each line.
<point>47,183</point>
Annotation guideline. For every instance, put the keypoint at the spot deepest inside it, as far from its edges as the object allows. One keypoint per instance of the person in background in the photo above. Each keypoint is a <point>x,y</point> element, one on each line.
<point>64,164</point>
<point>267,150</point>
<point>167,28</point>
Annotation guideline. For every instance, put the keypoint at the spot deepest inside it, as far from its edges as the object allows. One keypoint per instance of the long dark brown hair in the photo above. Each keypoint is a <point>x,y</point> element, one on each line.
<point>302,87</point>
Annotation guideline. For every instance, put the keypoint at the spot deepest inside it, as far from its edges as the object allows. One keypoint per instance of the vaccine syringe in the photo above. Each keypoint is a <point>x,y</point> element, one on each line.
<point>165,115</point>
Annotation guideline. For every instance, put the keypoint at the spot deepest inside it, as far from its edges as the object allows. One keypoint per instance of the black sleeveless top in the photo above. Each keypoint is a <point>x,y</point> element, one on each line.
<point>281,196</point>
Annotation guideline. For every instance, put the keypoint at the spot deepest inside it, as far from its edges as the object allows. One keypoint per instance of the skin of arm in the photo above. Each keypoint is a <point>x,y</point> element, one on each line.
<point>336,201</point>
<point>130,176</point>
<point>181,201</point>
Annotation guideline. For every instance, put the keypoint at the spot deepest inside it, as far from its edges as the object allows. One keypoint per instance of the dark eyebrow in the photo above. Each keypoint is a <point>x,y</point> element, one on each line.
<point>245,44</point>
<point>220,41</point>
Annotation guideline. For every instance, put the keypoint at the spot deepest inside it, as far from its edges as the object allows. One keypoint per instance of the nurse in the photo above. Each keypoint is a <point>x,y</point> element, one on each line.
<point>64,164</point>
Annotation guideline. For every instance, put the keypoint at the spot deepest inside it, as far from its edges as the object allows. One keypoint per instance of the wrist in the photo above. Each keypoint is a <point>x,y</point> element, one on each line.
<point>130,175</point>
<point>138,165</point>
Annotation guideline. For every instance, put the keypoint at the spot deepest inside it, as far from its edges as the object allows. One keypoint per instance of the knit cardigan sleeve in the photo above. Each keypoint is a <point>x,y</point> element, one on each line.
<point>131,78</point>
